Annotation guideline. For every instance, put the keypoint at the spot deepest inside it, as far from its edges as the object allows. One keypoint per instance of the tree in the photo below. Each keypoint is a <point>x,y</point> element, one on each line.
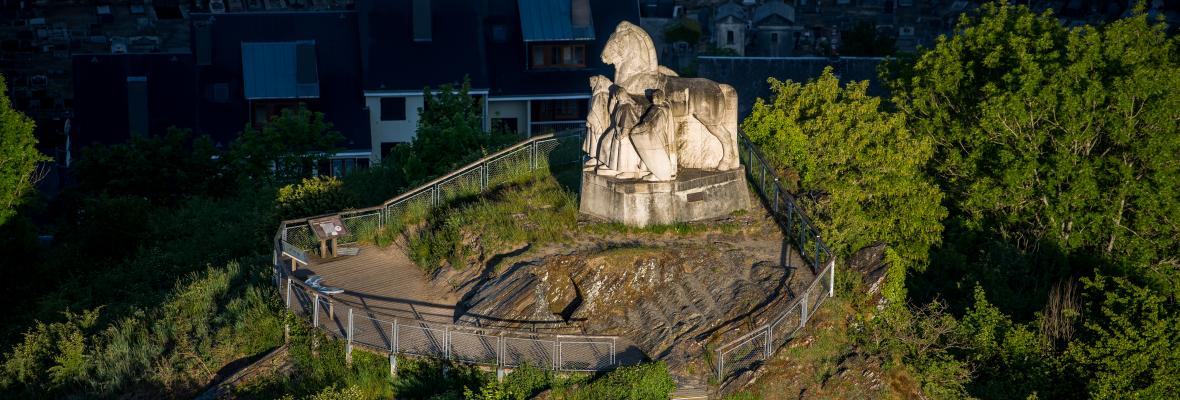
<point>18,156</point>
<point>163,169</point>
<point>857,168</point>
<point>287,147</point>
<point>449,134</point>
<point>1056,148</point>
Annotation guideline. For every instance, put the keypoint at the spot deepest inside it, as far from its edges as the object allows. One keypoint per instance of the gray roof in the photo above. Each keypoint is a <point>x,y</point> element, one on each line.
<point>280,70</point>
<point>729,10</point>
<point>552,20</point>
<point>774,7</point>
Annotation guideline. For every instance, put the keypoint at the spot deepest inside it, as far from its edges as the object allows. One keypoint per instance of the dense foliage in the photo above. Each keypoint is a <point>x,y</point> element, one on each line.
<point>858,169</point>
<point>1053,270</point>
<point>449,134</point>
<point>18,156</point>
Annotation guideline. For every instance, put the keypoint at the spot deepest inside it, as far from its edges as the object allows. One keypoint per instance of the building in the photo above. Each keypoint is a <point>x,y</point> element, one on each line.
<point>528,63</point>
<point>774,29</point>
<point>729,28</point>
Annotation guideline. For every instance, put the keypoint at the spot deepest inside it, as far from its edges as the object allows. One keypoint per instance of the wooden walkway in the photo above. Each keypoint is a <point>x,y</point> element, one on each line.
<point>384,283</point>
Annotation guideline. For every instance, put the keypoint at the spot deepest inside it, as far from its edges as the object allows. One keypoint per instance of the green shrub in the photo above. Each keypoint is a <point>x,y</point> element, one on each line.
<point>312,196</point>
<point>640,382</point>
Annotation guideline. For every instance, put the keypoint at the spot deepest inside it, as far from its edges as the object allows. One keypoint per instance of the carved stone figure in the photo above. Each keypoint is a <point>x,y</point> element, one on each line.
<point>691,113</point>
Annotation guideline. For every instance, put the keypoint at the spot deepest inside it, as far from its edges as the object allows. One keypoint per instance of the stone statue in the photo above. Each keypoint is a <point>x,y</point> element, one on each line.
<point>641,126</point>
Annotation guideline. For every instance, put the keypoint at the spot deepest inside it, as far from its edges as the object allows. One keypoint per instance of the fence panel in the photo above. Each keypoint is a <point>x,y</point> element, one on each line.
<point>361,226</point>
<point>474,348</point>
<point>534,352</point>
<point>409,208</point>
<point>467,183</point>
<point>421,340</point>
<point>330,318</point>
<point>582,354</point>
<point>301,236</point>
<point>509,165</point>
<point>371,332</point>
<point>744,354</point>
<point>784,328</point>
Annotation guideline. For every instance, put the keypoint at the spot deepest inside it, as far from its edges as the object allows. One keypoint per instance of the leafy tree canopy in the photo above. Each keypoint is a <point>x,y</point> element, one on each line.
<point>450,133</point>
<point>858,166</point>
<point>287,147</point>
<point>18,156</point>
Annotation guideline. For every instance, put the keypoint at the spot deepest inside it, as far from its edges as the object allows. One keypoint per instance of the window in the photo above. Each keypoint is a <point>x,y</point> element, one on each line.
<point>393,108</point>
<point>728,37</point>
<point>339,167</point>
<point>558,56</point>
<point>504,125</point>
<point>220,92</point>
<point>774,38</point>
<point>559,110</point>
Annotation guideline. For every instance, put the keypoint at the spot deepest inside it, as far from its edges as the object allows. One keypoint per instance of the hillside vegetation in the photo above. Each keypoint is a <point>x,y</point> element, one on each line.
<point>1024,180</point>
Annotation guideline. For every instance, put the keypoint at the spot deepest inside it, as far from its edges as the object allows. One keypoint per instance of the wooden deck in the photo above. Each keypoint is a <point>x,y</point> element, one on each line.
<point>382,282</point>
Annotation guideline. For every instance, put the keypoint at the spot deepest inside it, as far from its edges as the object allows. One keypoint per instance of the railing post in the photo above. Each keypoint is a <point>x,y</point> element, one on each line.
<point>315,316</point>
<point>556,352</point>
<point>815,259</point>
<point>288,292</point>
<point>720,365</point>
<point>613,360</point>
<point>533,151</point>
<point>447,342</point>
<point>393,345</point>
<point>803,310</point>
<point>500,358</point>
<point>776,194</point>
<point>832,278</point>
<point>348,347</point>
<point>766,345</point>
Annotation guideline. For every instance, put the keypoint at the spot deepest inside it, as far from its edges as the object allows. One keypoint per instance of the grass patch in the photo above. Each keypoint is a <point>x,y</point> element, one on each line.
<point>533,209</point>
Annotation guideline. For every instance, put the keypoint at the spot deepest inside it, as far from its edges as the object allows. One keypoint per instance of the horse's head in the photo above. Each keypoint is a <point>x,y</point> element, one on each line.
<point>630,49</point>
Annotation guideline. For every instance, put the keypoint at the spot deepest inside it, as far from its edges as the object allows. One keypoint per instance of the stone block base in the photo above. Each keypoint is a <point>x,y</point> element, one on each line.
<point>695,195</point>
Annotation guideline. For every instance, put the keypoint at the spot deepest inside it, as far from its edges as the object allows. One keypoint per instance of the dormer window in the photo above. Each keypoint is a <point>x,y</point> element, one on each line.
<point>557,56</point>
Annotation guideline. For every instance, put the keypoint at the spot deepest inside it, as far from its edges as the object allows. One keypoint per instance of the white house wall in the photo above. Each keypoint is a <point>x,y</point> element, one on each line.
<point>518,109</point>
<point>392,131</point>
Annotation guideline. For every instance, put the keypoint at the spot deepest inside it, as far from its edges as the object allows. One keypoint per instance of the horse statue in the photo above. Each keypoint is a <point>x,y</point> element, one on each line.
<point>702,113</point>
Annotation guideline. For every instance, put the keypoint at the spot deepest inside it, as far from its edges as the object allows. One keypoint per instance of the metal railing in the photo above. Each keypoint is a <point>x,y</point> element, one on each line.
<point>507,348</point>
<point>538,152</point>
<point>760,343</point>
<point>384,333</point>
<point>362,328</point>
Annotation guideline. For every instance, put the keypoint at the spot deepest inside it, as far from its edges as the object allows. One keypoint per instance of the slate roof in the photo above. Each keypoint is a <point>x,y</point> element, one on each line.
<point>270,70</point>
<point>100,95</point>
<point>772,8</point>
<point>337,64</point>
<point>549,20</point>
<point>507,59</point>
<point>391,60</point>
<point>748,75</point>
<point>729,10</point>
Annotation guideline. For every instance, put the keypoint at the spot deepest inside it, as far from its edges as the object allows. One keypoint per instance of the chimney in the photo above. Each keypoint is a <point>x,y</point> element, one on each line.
<point>580,13</point>
<point>422,17</point>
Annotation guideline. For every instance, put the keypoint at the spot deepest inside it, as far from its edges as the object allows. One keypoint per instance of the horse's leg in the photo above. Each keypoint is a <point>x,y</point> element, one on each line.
<point>729,157</point>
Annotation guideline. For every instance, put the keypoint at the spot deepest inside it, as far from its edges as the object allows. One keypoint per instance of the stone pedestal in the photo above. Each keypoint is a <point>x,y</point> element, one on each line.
<point>695,195</point>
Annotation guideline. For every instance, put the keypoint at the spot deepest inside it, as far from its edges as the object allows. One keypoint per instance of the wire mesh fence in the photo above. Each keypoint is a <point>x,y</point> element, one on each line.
<point>751,349</point>
<point>502,348</point>
<point>533,154</point>
<point>511,348</point>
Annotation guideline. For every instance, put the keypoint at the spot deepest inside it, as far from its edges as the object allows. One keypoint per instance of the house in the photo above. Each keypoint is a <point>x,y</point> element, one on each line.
<point>774,29</point>
<point>118,96</point>
<point>730,23</point>
<point>528,61</point>
<point>243,68</point>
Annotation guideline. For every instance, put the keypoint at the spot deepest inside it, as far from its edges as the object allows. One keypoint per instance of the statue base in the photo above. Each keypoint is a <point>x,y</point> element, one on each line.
<point>695,195</point>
